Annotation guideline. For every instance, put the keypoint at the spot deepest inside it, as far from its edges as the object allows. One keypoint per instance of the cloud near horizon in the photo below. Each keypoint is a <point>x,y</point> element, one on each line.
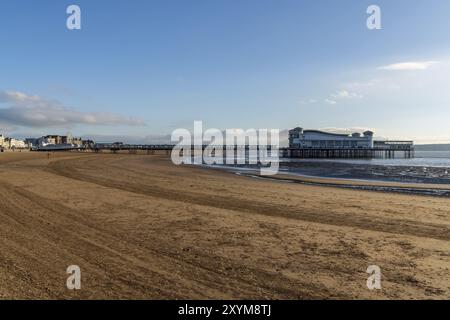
<point>409,66</point>
<point>37,112</point>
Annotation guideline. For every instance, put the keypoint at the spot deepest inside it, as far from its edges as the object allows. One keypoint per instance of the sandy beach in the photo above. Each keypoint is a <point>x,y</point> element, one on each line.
<point>141,228</point>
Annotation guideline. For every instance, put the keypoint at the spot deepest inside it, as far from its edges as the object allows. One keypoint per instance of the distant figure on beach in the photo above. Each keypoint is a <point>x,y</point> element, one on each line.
<point>48,155</point>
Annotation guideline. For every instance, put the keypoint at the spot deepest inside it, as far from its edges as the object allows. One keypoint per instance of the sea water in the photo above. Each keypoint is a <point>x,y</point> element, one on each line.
<point>427,167</point>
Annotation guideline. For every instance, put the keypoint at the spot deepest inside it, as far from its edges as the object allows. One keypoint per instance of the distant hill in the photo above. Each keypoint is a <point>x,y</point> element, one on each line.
<point>433,147</point>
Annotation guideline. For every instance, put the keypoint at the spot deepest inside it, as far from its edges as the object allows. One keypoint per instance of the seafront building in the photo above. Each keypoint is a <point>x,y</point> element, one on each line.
<point>16,144</point>
<point>57,142</point>
<point>7,143</point>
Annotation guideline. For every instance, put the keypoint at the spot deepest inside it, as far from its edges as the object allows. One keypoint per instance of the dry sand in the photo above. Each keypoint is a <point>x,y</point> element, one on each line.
<point>142,228</point>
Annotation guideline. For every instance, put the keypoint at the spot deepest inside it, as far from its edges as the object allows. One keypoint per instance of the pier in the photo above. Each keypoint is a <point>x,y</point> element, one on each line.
<point>381,150</point>
<point>327,145</point>
<point>378,150</point>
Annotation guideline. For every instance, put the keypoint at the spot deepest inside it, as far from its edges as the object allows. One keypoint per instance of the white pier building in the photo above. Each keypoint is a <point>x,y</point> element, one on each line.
<point>315,139</point>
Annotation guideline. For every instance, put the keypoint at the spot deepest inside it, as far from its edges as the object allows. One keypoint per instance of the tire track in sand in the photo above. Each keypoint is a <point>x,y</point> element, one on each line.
<point>41,238</point>
<point>74,169</point>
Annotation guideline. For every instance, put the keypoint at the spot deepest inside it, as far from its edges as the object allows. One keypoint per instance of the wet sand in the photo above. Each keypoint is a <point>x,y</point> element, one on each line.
<point>142,228</point>
<point>436,190</point>
<point>422,171</point>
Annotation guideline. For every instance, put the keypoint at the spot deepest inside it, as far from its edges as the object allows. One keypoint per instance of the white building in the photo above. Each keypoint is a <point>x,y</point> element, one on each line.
<point>11,143</point>
<point>315,139</point>
<point>16,144</point>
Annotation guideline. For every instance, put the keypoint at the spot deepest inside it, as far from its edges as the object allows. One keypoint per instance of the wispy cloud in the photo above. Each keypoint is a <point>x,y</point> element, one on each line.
<point>409,65</point>
<point>308,101</point>
<point>334,98</point>
<point>344,94</point>
<point>34,111</point>
<point>347,130</point>
<point>329,101</point>
<point>340,95</point>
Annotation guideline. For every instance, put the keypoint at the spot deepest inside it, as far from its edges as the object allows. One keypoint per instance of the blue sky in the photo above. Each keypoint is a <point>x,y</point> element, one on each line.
<point>143,68</point>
